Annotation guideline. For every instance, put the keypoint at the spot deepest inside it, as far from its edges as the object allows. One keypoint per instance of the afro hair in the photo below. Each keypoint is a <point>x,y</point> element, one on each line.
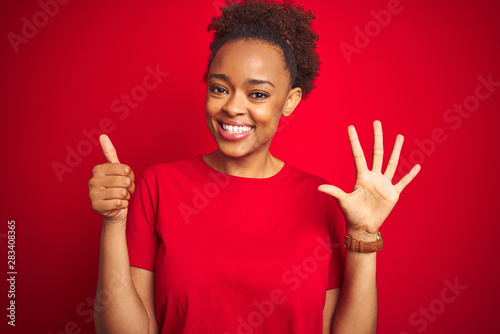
<point>285,25</point>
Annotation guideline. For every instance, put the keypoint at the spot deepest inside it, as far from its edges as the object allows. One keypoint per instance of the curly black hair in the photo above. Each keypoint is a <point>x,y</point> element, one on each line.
<point>285,25</point>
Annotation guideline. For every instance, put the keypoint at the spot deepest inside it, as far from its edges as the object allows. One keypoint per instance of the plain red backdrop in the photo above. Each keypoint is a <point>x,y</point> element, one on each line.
<point>67,78</point>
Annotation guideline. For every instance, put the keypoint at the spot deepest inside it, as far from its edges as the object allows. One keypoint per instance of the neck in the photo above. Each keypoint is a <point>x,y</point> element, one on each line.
<point>262,165</point>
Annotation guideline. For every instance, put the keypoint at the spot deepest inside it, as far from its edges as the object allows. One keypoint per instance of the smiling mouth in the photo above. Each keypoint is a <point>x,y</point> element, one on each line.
<point>235,129</point>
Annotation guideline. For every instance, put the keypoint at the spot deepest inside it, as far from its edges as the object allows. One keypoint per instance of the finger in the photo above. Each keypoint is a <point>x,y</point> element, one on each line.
<point>392,165</point>
<point>113,182</point>
<point>333,191</point>
<point>108,149</point>
<point>131,174</point>
<point>115,193</point>
<point>131,189</point>
<point>109,205</point>
<point>109,193</point>
<point>110,169</point>
<point>378,147</point>
<point>407,178</point>
<point>357,151</point>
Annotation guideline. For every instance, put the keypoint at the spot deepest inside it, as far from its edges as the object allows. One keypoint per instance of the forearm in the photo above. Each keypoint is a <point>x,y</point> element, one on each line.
<point>356,311</point>
<point>118,308</point>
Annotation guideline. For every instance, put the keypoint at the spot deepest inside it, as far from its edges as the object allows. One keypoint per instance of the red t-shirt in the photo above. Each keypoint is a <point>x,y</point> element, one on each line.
<point>235,255</point>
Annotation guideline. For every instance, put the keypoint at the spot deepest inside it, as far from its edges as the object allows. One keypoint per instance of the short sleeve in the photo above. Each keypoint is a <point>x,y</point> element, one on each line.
<point>336,227</point>
<point>142,239</point>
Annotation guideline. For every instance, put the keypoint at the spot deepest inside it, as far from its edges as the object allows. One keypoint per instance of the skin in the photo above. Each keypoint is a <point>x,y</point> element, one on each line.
<point>237,92</point>
<point>247,83</point>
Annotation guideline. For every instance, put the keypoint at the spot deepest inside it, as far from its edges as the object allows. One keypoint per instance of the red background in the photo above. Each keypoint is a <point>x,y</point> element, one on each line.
<point>64,79</point>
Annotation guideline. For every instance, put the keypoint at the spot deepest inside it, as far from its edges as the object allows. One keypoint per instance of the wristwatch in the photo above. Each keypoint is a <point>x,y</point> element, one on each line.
<point>364,246</point>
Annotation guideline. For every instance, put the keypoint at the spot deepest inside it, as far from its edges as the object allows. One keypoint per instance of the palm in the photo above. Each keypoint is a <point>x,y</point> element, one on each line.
<point>117,215</point>
<point>370,202</point>
<point>374,196</point>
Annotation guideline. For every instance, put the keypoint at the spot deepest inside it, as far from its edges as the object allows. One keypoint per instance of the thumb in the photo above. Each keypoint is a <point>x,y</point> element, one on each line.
<point>108,149</point>
<point>333,191</point>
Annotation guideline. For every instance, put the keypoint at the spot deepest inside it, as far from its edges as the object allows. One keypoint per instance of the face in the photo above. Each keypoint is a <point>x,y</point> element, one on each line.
<point>248,89</point>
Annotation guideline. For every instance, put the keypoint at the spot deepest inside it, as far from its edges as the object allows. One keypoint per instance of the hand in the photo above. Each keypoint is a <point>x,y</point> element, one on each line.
<point>374,195</point>
<point>111,185</point>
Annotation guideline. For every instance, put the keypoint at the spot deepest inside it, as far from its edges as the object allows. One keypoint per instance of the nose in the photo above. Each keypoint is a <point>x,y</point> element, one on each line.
<point>235,104</point>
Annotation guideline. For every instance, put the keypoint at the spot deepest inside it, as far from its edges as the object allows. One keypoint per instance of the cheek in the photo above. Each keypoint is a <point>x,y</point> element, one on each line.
<point>209,116</point>
<point>211,107</point>
<point>267,118</point>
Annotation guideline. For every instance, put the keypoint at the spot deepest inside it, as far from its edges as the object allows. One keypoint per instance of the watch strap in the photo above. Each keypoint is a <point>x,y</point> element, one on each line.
<point>364,246</point>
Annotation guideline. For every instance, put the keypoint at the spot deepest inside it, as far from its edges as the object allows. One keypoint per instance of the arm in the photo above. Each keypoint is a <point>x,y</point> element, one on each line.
<point>124,300</point>
<point>356,300</point>
<point>144,283</point>
<point>119,309</point>
<point>356,311</point>
<point>365,209</point>
<point>332,298</point>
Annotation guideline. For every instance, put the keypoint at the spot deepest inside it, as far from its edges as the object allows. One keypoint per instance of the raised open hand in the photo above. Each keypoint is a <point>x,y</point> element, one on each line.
<point>111,185</point>
<point>374,195</point>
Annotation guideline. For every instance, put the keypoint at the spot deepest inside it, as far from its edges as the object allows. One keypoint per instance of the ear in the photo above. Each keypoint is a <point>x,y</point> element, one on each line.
<point>292,100</point>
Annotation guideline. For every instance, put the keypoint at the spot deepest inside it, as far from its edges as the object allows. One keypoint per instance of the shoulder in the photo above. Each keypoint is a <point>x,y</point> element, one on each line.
<point>301,176</point>
<point>307,185</point>
<point>163,169</point>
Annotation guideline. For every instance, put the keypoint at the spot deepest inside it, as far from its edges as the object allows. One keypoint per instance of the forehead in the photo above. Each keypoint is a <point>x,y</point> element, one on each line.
<point>242,59</point>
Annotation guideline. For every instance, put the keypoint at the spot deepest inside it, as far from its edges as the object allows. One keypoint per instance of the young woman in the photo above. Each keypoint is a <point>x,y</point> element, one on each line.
<point>238,241</point>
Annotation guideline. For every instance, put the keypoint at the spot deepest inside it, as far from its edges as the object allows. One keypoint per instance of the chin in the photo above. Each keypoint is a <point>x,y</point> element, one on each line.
<point>236,150</point>
<point>232,153</point>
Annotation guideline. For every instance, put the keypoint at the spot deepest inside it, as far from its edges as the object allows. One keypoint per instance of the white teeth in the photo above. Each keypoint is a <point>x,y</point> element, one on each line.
<point>235,129</point>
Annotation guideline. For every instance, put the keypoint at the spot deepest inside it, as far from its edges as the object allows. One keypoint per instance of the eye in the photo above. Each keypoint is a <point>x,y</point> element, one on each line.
<point>259,95</point>
<point>218,90</point>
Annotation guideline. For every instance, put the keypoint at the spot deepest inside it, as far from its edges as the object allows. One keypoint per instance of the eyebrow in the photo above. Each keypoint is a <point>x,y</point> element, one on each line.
<point>258,82</point>
<point>247,81</point>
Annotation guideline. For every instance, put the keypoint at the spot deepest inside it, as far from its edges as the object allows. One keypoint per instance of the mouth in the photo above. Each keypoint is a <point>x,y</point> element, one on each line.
<point>234,131</point>
<point>234,128</point>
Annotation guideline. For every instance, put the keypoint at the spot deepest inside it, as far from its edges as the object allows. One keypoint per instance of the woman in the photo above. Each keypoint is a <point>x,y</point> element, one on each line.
<point>238,241</point>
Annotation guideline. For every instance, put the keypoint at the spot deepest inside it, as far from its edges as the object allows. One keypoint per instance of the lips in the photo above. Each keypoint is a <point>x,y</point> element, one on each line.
<point>231,130</point>
<point>235,129</point>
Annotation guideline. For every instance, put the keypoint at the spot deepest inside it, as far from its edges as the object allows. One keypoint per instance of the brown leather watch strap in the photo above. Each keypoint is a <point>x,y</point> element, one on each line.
<point>363,246</point>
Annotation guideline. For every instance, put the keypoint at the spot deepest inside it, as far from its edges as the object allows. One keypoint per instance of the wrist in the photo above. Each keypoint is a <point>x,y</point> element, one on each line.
<point>361,235</point>
<point>357,244</point>
<point>114,221</point>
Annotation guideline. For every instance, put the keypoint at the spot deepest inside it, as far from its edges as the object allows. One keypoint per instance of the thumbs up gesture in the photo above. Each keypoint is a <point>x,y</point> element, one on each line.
<point>111,185</point>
